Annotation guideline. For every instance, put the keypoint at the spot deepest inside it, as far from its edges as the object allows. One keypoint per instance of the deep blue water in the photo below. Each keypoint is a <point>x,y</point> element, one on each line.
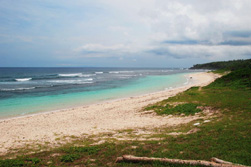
<point>29,90</point>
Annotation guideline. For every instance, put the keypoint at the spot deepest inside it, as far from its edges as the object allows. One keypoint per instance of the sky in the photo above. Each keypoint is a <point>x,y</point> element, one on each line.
<point>123,33</point>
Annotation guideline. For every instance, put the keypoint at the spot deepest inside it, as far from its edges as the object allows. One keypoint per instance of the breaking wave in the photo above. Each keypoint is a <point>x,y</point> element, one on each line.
<point>23,79</point>
<point>17,89</point>
<point>71,75</point>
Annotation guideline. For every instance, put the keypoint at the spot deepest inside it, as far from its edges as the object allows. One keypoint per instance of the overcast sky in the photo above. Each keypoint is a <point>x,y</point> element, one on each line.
<point>123,33</point>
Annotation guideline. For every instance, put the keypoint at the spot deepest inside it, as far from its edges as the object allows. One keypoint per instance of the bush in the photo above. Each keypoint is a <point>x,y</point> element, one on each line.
<point>34,160</point>
<point>90,150</point>
<point>236,79</point>
<point>70,157</point>
<point>11,163</point>
<point>225,65</point>
<point>187,109</point>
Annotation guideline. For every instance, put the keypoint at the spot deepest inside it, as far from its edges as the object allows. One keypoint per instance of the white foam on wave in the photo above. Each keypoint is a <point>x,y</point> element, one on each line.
<point>187,81</point>
<point>125,71</point>
<point>121,77</point>
<point>23,79</point>
<point>99,72</point>
<point>7,89</point>
<point>166,70</point>
<point>117,72</point>
<point>114,72</point>
<point>72,81</point>
<point>88,75</point>
<point>89,79</point>
<point>71,75</point>
<point>169,88</point>
<point>126,75</point>
<point>17,89</point>
<point>25,88</point>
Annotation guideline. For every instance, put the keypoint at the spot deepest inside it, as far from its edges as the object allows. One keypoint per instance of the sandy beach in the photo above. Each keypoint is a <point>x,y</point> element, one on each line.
<point>93,119</point>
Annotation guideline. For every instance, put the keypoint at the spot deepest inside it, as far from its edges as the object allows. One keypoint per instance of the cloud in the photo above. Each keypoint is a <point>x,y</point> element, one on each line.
<point>210,52</point>
<point>210,30</point>
<point>207,20</point>
<point>99,50</point>
<point>194,30</point>
<point>242,34</point>
<point>102,48</point>
<point>181,28</point>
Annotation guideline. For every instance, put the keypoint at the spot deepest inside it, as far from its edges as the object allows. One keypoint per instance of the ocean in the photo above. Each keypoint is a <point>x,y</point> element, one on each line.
<point>31,90</point>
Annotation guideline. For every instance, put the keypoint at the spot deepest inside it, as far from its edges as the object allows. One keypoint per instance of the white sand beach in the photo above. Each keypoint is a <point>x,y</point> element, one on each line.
<point>92,119</point>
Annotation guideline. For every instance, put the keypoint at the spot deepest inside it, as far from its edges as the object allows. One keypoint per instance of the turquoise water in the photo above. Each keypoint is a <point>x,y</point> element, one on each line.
<point>32,104</point>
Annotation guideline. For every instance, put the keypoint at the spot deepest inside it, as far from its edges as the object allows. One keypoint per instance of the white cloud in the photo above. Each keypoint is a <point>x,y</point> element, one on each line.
<point>206,23</point>
<point>210,52</point>
<point>179,20</point>
<point>206,20</point>
<point>131,29</point>
<point>100,50</point>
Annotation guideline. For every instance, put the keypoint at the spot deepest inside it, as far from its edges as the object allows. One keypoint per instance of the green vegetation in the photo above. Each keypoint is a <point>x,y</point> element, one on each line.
<point>227,135</point>
<point>187,109</point>
<point>89,150</point>
<point>12,163</point>
<point>70,157</point>
<point>74,153</point>
<point>226,65</point>
<point>20,161</point>
<point>33,160</point>
<point>237,79</point>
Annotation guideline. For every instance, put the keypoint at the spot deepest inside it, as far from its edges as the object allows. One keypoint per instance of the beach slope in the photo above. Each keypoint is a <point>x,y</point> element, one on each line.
<point>93,119</point>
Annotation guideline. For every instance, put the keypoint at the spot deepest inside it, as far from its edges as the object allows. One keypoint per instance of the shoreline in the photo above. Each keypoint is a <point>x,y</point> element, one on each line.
<point>99,102</point>
<point>116,114</point>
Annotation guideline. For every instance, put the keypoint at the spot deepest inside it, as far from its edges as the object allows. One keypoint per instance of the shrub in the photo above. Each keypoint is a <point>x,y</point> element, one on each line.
<point>11,162</point>
<point>187,109</point>
<point>70,157</point>
<point>90,150</point>
<point>236,79</point>
<point>34,160</point>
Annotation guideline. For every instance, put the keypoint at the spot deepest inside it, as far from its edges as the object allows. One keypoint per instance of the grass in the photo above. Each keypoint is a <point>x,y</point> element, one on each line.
<point>12,163</point>
<point>238,79</point>
<point>89,150</point>
<point>227,136</point>
<point>70,157</point>
<point>186,109</point>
